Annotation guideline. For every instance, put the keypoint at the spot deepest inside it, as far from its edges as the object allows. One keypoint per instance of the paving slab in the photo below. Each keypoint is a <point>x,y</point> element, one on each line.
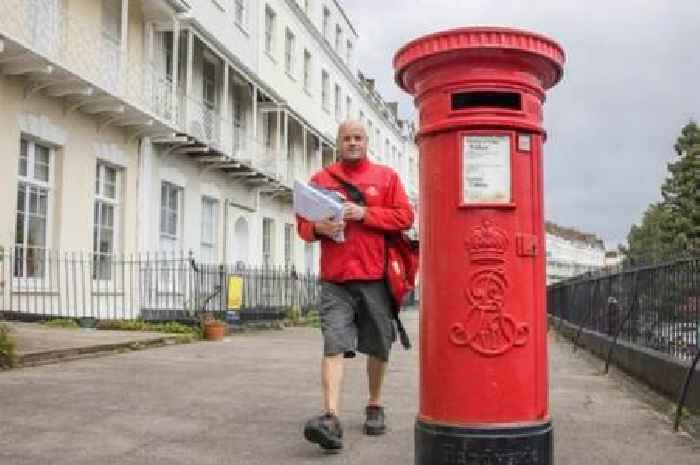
<point>244,401</point>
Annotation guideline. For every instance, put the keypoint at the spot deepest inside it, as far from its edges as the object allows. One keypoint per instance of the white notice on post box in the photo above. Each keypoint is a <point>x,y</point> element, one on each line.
<point>486,169</point>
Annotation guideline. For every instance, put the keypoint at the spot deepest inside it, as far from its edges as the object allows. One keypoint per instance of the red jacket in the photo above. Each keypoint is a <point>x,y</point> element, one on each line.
<point>361,256</point>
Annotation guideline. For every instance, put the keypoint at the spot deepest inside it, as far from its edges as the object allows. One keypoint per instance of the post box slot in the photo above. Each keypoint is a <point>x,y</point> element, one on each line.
<point>467,100</point>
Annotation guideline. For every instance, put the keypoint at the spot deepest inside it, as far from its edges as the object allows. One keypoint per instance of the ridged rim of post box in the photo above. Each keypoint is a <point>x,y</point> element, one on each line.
<point>473,38</point>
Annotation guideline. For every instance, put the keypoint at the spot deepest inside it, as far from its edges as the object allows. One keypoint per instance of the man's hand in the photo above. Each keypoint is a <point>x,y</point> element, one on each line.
<point>328,228</point>
<point>353,212</point>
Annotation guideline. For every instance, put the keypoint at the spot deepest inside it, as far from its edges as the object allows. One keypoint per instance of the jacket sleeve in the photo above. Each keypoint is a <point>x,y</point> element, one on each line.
<point>396,214</point>
<point>306,230</point>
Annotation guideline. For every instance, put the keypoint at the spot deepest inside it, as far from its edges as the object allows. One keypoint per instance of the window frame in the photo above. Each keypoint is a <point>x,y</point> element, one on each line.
<point>213,204</point>
<point>325,22</point>
<point>171,187</point>
<point>337,102</point>
<point>338,43</point>
<point>289,233</point>
<point>308,70</point>
<point>325,91</point>
<point>29,181</point>
<point>269,31</point>
<point>240,12</point>
<point>268,226</point>
<point>102,200</point>
<point>289,51</point>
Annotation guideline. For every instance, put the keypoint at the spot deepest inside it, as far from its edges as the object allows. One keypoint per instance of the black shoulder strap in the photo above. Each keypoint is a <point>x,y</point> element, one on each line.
<point>355,194</point>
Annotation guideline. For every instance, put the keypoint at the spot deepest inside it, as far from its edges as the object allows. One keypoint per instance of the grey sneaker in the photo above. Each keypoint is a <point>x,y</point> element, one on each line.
<point>374,424</point>
<point>325,431</point>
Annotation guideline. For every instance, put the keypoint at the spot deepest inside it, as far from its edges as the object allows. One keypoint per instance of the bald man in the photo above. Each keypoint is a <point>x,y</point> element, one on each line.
<point>356,310</point>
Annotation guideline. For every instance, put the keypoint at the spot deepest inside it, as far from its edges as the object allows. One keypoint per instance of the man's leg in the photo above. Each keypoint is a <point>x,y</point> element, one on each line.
<point>376,368</point>
<point>339,335</point>
<point>332,378</point>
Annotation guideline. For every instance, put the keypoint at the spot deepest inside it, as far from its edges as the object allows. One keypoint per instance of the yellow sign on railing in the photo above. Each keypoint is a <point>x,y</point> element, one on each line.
<point>235,292</point>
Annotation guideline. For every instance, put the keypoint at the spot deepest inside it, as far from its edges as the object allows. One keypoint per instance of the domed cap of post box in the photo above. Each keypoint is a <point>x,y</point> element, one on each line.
<point>545,55</point>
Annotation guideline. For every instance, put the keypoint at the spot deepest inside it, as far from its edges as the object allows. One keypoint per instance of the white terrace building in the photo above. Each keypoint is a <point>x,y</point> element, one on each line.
<point>570,253</point>
<point>150,125</point>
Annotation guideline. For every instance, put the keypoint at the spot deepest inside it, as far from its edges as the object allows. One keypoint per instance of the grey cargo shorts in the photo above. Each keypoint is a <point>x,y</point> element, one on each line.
<point>357,316</point>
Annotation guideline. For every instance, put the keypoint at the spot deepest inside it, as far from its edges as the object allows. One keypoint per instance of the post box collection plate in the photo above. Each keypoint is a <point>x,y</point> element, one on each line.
<point>485,169</point>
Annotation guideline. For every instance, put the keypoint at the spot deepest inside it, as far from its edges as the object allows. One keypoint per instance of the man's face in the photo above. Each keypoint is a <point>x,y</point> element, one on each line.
<point>353,142</point>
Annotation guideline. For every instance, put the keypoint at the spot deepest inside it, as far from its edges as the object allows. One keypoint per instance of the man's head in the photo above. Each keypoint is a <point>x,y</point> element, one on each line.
<point>352,141</point>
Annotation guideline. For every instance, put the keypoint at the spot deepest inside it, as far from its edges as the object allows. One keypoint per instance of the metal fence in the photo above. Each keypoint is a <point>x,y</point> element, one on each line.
<point>151,286</point>
<point>657,306</point>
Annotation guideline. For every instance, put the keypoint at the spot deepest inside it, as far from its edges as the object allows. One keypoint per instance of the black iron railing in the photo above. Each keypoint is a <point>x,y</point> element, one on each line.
<point>655,306</point>
<point>151,286</point>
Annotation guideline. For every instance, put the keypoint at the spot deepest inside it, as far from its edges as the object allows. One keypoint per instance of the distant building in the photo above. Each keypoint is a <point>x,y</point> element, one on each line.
<point>571,252</point>
<point>613,258</point>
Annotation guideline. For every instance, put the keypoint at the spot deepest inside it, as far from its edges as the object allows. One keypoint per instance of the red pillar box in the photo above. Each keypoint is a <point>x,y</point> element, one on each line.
<point>483,360</point>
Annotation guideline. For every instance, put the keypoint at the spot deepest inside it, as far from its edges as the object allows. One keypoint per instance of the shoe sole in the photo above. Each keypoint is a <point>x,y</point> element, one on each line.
<point>374,430</point>
<point>326,442</point>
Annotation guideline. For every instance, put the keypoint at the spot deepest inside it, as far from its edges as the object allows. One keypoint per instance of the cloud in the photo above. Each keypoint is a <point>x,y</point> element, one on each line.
<point>630,85</point>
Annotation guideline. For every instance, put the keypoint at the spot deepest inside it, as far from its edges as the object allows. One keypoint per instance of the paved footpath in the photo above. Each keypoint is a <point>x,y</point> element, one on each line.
<point>244,401</point>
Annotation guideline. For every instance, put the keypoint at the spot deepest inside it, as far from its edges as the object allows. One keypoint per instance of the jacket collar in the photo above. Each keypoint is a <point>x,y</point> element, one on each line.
<point>353,168</point>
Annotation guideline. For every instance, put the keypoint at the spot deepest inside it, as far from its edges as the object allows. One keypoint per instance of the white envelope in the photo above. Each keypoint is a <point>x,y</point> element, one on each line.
<point>314,204</point>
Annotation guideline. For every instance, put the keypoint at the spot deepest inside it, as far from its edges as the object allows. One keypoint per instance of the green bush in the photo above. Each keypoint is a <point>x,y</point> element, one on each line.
<point>62,323</point>
<point>295,317</point>
<point>313,319</point>
<point>172,327</point>
<point>122,325</point>
<point>8,356</point>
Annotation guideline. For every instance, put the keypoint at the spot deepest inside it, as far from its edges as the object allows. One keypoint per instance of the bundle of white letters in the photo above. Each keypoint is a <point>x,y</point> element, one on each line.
<point>317,204</point>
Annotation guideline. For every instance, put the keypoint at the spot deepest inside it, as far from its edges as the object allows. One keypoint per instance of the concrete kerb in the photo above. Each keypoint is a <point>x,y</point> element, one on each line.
<point>61,355</point>
<point>40,345</point>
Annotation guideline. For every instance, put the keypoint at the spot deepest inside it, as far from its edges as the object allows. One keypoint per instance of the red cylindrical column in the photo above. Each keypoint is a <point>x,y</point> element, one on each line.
<point>483,360</point>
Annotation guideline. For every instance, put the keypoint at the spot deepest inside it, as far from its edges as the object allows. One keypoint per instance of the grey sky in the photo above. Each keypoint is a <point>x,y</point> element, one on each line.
<point>631,81</point>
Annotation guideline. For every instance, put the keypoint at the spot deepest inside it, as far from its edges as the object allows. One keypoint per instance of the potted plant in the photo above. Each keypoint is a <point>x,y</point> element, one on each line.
<point>212,329</point>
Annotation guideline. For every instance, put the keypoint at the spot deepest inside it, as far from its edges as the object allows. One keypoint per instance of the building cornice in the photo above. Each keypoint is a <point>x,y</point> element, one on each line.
<point>345,16</point>
<point>180,6</point>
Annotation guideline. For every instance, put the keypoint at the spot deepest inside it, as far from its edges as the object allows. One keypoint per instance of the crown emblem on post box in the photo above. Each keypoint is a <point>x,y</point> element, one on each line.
<point>487,243</point>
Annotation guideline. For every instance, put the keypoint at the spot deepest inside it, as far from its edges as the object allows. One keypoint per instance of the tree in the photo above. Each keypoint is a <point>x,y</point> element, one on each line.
<point>681,189</point>
<point>650,241</point>
<point>672,225</point>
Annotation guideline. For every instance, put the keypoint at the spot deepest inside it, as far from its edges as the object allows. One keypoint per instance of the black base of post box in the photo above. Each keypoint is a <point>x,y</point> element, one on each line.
<point>457,445</point>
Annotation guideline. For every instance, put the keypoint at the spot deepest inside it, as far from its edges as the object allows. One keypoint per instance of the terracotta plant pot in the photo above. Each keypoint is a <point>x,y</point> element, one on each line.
<point>214,331</point>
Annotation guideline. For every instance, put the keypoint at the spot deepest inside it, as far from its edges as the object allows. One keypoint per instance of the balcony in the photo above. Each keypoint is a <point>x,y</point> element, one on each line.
<point>68,57</point>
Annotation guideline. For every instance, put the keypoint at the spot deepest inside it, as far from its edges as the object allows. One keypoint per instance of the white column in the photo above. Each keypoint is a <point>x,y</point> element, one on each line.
<point>188,79</point>
<point>144,198</point>
<point>320,153</point>
<point>174,70</point>
<point>307,168</point>
<point>286,135</point>
<point>226,120</point>
<point>123,60</point>
<point>289,166</point>
<point>125,26</point>
<point>255,112</point>
<point>278,146</point>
